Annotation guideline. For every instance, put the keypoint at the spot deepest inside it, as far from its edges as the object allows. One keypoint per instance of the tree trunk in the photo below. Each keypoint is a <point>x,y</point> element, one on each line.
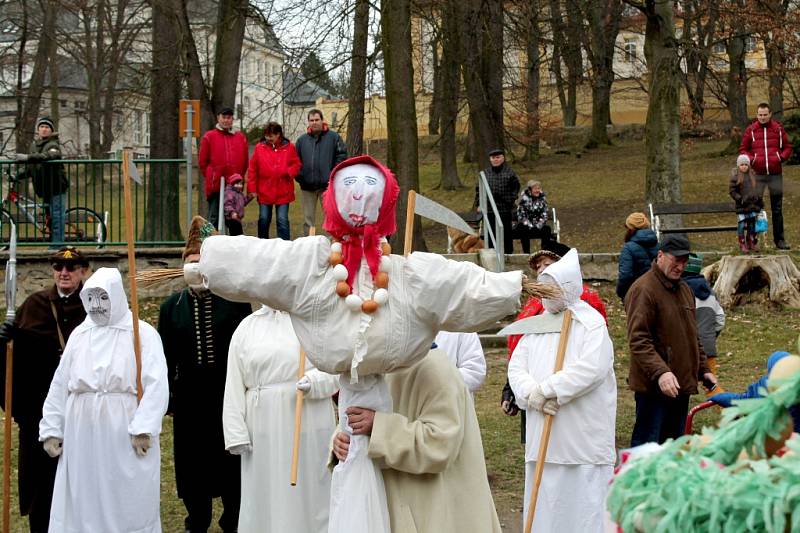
<point>776,62</point>
<point>435,109</point>
<point>22,135</point>
<point>566,53</point>
<point>736,92</point>
<point>599,42</point>
<point>479,59</point>
<point>532,81</point>
<point>739,279</point>
<point>165,89</point>
<point>403,156</point>
<point>228,52</point>
<point>469,144</point>
<point>32,101</point>
<point>358,79</point>
<point>55,98</point>
<point>450,84</point>
<point>662,129</point>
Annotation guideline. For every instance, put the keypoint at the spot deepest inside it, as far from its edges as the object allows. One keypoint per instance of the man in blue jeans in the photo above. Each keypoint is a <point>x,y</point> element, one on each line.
<point>667,360</point>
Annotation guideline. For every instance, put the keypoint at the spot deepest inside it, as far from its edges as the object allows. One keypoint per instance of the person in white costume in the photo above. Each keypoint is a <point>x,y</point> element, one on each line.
<point>108,477</point>
<point>258,417</point>
<point>357,310</point>
<point>583,398</point>
<point>466,352</point>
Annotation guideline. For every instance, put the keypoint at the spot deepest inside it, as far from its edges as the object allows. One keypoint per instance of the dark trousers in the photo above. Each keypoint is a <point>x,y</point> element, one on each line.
<point>658,417</point>
<point>775,184</point>
<point>508,235</point>
<point>525,234</point>
<point>213,209</point>
<point>37,475</point>
<point>234,227</point>
<point>199,511</point>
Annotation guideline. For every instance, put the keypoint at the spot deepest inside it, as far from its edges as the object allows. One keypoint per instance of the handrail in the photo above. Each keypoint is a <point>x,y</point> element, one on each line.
<point>495,237</point>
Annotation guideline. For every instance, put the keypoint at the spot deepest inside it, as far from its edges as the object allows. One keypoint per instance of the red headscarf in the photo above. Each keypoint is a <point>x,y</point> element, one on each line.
<point>363,241</point>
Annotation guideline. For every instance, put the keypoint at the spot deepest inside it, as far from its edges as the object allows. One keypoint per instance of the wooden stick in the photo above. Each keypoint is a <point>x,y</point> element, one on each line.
<point>409,240</point>
<point>7,436</point>
<point>137,347</point>
<point>548,423</point>
<point>298,404</point>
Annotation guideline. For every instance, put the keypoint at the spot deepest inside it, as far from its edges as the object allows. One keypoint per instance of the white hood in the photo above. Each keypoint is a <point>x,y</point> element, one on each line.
<point>110,280</point>
<point>566,273</point>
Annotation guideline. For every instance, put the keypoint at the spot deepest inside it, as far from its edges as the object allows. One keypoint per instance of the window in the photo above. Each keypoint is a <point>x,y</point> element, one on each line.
<point>720,48</point>
<point>245,105</point>
<point>630,50</point>
<point>80,105</point>
<point>276,74</point>
<point>262,72</point>
<point>749,43</point>
<point>63,103</point>
<point>141,128</point>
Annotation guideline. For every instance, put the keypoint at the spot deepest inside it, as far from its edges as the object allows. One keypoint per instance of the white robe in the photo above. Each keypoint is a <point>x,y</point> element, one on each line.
<point>259,410</point>
<point>101,485</point>
<point>580,453</point>
<point>466,352</point>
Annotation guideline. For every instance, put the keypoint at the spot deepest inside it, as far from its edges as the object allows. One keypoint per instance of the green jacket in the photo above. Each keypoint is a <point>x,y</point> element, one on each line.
<point>49,179</point>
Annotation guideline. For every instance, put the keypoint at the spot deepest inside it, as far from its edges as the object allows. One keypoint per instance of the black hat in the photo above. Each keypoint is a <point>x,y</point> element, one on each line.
<point>676,245</point>
<point>226,111</point>
<point>45,121</point>
<point>69,255</point>
<point>496,151</point>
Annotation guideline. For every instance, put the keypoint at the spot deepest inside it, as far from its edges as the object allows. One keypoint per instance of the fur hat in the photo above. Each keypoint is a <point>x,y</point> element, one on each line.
<point>637,221</point>
<point>742,160</point>
<point>199,230</point>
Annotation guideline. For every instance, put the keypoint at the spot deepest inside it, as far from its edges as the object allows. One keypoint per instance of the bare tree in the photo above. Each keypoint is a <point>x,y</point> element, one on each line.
<point>401,109</point>
<point>698,37</point>
<point>450,90</point>
<point>358,79</point>
<point>774,14</point>
<point>662,130</point>
<point>162,188</point>
<point>565,30</point>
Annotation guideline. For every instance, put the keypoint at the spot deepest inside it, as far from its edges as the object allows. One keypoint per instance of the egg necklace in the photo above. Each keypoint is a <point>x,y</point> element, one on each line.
<point>353,301</point>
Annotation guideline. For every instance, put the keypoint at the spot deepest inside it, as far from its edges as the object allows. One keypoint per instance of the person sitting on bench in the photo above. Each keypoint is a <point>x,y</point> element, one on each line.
<point>532,216</point>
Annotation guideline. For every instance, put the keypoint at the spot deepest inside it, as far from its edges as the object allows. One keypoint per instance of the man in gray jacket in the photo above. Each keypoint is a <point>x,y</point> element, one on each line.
<point>320,149</point>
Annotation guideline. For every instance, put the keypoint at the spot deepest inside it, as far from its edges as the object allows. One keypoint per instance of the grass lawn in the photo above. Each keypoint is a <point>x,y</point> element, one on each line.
<point>593,195</point>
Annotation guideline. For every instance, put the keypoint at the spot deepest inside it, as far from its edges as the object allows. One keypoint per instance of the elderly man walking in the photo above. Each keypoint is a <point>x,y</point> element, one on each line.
<point>667,359</point>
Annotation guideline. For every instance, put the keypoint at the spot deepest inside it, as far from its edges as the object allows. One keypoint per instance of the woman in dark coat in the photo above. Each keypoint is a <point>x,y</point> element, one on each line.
<point>638,252</point>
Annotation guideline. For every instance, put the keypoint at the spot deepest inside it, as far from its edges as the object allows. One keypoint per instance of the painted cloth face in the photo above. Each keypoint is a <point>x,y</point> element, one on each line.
<point>359,192</point>
<point>98,306</point>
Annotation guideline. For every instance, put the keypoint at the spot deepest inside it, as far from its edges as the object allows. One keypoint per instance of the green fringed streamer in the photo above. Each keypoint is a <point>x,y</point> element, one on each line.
<point>695,483</point>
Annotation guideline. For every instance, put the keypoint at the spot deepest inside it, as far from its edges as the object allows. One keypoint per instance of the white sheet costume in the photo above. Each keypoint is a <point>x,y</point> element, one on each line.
<point>102,485</point>
<point>580,455</point>
<point>466,352</point>
<point>258,412</point>
<point>426,293</point>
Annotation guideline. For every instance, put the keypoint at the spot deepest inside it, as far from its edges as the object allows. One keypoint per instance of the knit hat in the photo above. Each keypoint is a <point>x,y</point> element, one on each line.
<point>199,230</point>
<point>742,160</point>
<point>694,264</point>
<point>233,178</point>
<point>637,221</point>
<point>226,111</point>
<point>45,121</point>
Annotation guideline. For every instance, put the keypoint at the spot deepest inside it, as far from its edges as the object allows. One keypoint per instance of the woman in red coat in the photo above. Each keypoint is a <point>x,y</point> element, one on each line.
<point>270,178</point>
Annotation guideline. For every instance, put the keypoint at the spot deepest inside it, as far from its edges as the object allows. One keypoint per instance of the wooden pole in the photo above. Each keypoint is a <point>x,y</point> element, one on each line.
<point>298,404</point>
<point>137,347</point>
<point>409,237</point>
<point>548,423</point>
<point>7,436</point>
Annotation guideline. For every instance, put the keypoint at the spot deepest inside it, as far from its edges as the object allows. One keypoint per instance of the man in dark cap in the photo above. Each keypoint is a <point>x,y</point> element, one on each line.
<point>504,186</point>
<point>40,331</point>
<point>50,182</point>
<point>223,153</point>
<point>667,359</point>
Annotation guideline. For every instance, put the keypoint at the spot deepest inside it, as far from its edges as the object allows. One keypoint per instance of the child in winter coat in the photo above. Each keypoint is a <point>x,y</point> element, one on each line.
<point>744,191</point>
<point>235,201</point>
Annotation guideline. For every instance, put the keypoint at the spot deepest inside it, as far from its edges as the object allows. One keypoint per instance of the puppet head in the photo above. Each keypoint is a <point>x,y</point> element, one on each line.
<point>104,298</point>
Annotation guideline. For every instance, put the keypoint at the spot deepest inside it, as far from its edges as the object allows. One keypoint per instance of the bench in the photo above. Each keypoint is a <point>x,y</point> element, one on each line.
<point>659,210</point>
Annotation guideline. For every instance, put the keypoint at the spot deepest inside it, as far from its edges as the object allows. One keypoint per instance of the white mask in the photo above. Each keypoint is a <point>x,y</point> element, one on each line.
<point>359,193</point>
<point>554,306</point>
<point>99,306</point>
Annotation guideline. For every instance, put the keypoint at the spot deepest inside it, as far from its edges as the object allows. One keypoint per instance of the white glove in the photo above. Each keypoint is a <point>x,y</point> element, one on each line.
<point>52,445</point>
<point>304,384</point>
<point>536,400</point>
<point>140,443</point>
<point>241,449</point>
<point>21,157</point>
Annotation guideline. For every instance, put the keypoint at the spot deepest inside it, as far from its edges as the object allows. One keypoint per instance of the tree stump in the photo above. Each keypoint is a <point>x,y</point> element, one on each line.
<point>738,279</point>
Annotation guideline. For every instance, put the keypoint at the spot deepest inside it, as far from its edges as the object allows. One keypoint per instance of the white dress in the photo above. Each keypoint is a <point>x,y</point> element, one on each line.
<point>466,352</point>
<point>101,485</point>
<point>259,410</point>
<point>580,453</point>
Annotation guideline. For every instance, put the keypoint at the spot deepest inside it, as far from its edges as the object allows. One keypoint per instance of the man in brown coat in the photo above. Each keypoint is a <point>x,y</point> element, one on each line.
<point>666,357</point>
<point>40,330</point>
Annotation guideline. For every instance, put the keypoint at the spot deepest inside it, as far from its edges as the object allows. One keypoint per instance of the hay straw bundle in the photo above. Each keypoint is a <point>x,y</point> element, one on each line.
<point>150,278</point>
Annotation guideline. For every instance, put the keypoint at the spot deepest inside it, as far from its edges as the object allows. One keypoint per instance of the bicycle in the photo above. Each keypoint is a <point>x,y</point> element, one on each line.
<point>81,224</point>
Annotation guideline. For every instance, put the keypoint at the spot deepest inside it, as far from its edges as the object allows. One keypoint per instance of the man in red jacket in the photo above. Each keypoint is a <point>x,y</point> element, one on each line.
<point>223,153</point>
<point>766,144</point>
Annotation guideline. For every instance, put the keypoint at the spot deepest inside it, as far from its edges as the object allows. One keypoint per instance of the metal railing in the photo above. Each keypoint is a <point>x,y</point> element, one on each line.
<point>491,236</point>
<point>95,211</point>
